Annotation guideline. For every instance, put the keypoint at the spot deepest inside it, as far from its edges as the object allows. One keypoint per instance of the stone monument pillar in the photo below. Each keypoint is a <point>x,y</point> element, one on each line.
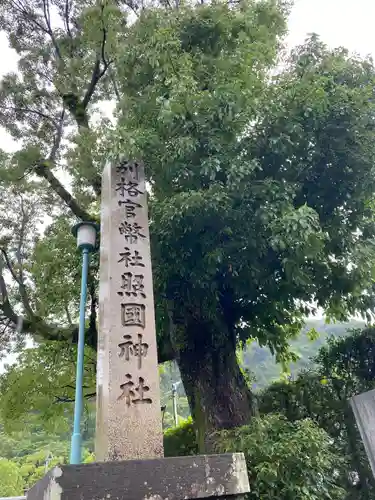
<point>363,406</point>
<point>128,407</point>
<point>128,403</point>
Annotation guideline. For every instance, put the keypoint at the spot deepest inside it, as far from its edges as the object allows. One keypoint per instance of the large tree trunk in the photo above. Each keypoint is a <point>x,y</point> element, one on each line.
<point>217,392</point>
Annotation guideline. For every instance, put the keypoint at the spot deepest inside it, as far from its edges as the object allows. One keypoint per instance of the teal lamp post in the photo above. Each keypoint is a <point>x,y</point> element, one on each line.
<point>85,232</point>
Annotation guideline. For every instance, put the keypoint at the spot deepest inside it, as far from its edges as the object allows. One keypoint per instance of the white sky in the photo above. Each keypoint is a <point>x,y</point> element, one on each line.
<point>348,23</point>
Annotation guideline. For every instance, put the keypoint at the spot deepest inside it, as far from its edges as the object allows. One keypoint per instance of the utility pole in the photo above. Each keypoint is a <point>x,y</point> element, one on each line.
<point>174,396</point>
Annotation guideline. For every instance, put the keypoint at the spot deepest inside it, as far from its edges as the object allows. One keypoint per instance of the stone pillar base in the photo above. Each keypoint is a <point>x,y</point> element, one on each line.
<point>202,476</point>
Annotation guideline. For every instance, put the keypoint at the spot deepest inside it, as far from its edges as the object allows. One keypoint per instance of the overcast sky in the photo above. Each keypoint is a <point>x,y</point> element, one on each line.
<point>348,23</point>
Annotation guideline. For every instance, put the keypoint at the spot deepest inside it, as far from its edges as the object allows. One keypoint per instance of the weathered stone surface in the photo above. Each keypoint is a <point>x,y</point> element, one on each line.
<point>363,407</point>
<point>202,476</point>
<point>128,402</point>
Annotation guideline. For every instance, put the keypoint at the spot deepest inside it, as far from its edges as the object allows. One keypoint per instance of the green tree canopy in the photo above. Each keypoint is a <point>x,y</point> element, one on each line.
<point>42,383</point>
<point>261,183</point>
<point>344,367</point>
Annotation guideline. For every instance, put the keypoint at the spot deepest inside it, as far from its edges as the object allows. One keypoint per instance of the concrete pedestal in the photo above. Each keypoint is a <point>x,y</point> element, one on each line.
<point>203,476</point>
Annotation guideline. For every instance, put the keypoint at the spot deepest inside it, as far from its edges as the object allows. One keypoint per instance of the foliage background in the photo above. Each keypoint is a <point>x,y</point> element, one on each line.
<point>300,414</point>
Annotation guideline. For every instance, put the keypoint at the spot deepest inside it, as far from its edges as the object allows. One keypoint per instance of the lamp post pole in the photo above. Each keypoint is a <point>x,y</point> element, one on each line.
<point>86,239</point>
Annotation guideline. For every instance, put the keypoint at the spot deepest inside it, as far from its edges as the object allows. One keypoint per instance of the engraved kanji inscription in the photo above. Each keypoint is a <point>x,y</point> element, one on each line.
<point>132,285</point>
<point>129,188</point>
<point>131,258</point>
<point>130,207</point>
<point>133,315</point>
<point>129,348</point>
<point>133,394</point>
<point>131,231</point>
<point>129,170</point>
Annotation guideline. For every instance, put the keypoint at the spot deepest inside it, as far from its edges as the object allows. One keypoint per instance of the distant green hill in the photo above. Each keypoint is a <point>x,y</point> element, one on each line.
<point>261,363</point>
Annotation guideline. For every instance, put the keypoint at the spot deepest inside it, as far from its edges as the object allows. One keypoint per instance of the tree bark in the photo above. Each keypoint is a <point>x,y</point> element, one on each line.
<point>216,389</point>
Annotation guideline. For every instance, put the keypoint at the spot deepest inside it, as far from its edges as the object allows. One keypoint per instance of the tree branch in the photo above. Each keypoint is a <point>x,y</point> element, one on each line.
<point>67,9</point>
<point>60,399</point>
<point>58,137</point>
<point>24,221</point>
<point>28,110</point>
<point>114,83</point>
<point>133,6</point>
<point>9,265</point>
<point>43,170</point>
<point>94,80</point>
<point>19,7</point>
<point>78,107</point>
<point>97,73</point>
<point>68,316</point>
<point>19,279</point>
<point>3,288</point>
<point>7,323</point>
<point>8,311</point>
<point>47,17</point>
<point>34,326</point>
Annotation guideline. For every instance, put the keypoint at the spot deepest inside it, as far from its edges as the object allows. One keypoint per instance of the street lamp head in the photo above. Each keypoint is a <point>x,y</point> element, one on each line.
<point>86,232</point>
